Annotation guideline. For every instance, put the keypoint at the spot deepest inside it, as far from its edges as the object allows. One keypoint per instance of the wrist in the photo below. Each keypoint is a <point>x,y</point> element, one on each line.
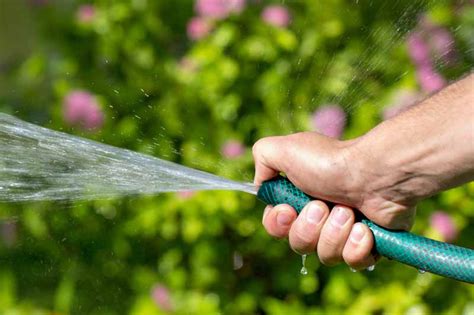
<point>388,172</point>
<point>355,164</point>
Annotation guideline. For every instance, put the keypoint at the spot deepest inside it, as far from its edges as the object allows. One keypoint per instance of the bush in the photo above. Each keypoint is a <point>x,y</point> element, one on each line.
<point>185,83</point>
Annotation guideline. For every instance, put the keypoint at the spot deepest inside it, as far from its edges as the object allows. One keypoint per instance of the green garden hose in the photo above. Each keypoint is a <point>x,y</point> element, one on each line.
<point>422,253</point>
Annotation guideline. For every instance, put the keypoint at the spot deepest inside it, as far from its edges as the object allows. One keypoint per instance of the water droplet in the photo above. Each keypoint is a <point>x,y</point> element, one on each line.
<point>421,271</point>
<point>303,270</point>
<point>371,268</point>
<point>352,269</point>
<point>238,260</point>
<point>143,91</point>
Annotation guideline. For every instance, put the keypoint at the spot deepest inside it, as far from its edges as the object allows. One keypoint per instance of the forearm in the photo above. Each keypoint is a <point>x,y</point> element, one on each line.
<point>424,150</point>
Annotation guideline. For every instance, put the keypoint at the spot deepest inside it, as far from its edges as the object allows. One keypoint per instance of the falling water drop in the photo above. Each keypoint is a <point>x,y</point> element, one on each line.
<point>371,268</point>
<point>421,271</point>
<point>303,270</point>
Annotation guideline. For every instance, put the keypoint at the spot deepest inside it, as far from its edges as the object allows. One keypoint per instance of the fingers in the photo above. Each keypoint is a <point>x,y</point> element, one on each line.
<point>334,235</point>
<point>277,220</point>
<point>357,250</point>
<point>268,154</point>
<point>304,233</point>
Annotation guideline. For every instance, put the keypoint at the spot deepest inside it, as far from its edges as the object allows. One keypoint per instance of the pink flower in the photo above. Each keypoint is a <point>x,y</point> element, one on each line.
<point>198,28</point>
<point>82,109</point>
<point>403,100</point>
<point>9,233</point>
<point>236,6</point>
<point>85,13</point>
<point>429,80</point>
<point>219,9</point>
<point>276,15</point>
<point>444,225</point>
<point>161,297</point>
<point>185,194</point>
<point>418,49</point>
<point>232,149</point>
<point>442,43</point>
<point>329,120</point>
<point>431,40</point>
<point>187,64</point>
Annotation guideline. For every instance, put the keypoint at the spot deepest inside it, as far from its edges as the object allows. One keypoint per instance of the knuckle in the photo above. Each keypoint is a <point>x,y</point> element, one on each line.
<point>399,220</point>
<point>260,146</point>
<point>303,237</point>
<point>256,150</point>
<point>393,216</point>
<point>327,253</point>
<point>328,242</point>
<point>256,146</point>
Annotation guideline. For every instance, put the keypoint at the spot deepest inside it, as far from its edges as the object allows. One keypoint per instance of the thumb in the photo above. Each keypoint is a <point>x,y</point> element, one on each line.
<point>270,158</point>
<point>392,216</point>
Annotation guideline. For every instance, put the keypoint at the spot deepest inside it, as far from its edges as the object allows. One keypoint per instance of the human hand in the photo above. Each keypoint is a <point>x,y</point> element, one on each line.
<point>335,171</point>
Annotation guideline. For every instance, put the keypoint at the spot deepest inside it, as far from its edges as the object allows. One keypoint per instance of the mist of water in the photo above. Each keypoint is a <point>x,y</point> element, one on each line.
<point>41,164</point>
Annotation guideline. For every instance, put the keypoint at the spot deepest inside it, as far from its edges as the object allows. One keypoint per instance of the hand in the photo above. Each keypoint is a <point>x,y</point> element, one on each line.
<point>335,171</point>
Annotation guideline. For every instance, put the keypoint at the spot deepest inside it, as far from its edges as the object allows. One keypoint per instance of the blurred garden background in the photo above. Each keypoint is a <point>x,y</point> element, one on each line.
<point>198,82</point>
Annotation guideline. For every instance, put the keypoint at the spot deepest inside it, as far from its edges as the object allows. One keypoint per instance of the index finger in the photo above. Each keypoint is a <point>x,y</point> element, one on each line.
<point>268,154</point>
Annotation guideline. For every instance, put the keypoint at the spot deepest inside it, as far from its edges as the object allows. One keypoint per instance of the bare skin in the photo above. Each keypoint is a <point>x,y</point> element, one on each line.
<point>384,173</point>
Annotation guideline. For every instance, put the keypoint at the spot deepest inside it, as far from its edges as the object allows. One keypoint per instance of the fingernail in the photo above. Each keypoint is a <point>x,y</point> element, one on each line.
<point>314,214</point>
<point>340,217</point>
<point>283,218</point>
<point>357,233</point>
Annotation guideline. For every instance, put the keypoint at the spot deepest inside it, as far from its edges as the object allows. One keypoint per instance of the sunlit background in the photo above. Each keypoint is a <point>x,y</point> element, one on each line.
<point>198,82</point>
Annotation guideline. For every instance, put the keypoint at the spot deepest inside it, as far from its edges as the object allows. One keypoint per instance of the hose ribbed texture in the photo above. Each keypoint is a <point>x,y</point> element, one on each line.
<point>425,254</point>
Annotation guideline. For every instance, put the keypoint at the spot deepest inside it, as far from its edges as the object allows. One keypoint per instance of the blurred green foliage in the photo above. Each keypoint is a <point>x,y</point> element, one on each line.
<point>165,95</point>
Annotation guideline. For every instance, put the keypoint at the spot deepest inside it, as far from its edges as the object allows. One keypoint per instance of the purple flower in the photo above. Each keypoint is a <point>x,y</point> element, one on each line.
<point>161,297</point>
<point>444,225</point>
<point>418,49</point>
<point>198,28</point>
<point>85,13</point>
<point>430,43</point>
<point>403,100</point>
<point>219,9</point>
<point>329,120</point>
<point>9,233</point>
<point>232,149</point>
<point>429,80</point>
<point>82,109</point>
<point>276,15</point>
<point>442,43</point>
<point>440,40</point>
